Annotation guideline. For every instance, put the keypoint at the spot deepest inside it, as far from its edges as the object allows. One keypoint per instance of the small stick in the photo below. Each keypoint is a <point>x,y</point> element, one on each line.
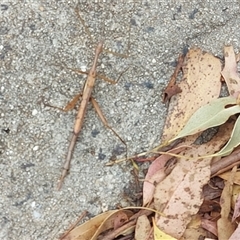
<point>89,84</point>
<point>225,163</point>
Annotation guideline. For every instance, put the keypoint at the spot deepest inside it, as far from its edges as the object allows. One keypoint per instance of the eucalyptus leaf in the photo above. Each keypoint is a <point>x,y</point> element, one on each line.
<point>213,114</point>
<point>233,142</point>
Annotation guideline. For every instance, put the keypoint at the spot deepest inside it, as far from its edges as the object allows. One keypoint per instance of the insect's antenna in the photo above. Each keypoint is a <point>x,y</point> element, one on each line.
<point>77,11</point>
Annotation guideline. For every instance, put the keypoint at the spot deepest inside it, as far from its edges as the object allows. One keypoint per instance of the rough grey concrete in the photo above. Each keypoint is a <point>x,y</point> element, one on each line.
<point>37,38</point>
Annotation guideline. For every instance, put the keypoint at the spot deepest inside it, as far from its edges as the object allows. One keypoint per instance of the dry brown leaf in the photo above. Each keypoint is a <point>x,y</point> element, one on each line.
<point>95,226</point>
<point>127,228</point>
<point>110,222</point>
<point>230,73</point>
<point>143,228</point>
<point>236,212</point>
<point>173,89</point>
<point>179,195</point>
<point>119,219</point>
<point>224,225</point>
<point>200,84</point>
<point>87,230</point>
<point>194,234</point>
<point>226,176</point>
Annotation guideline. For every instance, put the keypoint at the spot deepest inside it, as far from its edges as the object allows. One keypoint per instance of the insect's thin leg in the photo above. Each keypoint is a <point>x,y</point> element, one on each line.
<point>68,107</point>
<point>110,80</point>
<point>77,11</point>
<point>72,103</point>
<point>104,121</point>
<point>78,71</point>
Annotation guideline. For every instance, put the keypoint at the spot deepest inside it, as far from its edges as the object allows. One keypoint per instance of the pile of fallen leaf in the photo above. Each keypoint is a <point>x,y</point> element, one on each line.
<point>191,190</point>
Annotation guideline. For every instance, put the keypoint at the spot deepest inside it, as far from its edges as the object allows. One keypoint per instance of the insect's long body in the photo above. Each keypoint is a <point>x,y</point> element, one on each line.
<point>89,84</point>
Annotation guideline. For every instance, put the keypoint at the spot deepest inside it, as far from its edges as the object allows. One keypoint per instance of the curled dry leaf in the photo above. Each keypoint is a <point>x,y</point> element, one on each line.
<point>230,73</point>
<point>110,222</point>
<point>173,89</point>
<point>200,85</point>
<point>87,230</point>
<point>97,225</point>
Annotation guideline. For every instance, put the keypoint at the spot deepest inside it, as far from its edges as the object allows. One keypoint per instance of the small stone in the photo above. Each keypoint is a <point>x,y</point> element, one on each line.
<point>36,214</point>
<point>34,112</point>
<point>35,148</point>
<point>83,68</point>
<point>33,204</point>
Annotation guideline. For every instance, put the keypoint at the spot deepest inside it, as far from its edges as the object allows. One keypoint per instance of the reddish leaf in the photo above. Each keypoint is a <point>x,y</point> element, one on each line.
<point>156,173</point>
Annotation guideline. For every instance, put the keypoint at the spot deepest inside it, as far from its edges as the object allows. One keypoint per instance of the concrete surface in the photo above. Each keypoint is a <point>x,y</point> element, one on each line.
<point>37,39</point>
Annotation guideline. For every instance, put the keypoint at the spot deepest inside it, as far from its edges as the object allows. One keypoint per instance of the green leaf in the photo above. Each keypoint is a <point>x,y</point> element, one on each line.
<point>213,114</point>
<point>233,142</point>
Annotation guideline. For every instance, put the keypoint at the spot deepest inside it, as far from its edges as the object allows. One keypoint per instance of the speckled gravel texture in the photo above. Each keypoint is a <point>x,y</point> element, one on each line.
<point>38,41</point>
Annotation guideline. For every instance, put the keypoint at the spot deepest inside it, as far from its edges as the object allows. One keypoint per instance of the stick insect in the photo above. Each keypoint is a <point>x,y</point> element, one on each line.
<point>86,97</point>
